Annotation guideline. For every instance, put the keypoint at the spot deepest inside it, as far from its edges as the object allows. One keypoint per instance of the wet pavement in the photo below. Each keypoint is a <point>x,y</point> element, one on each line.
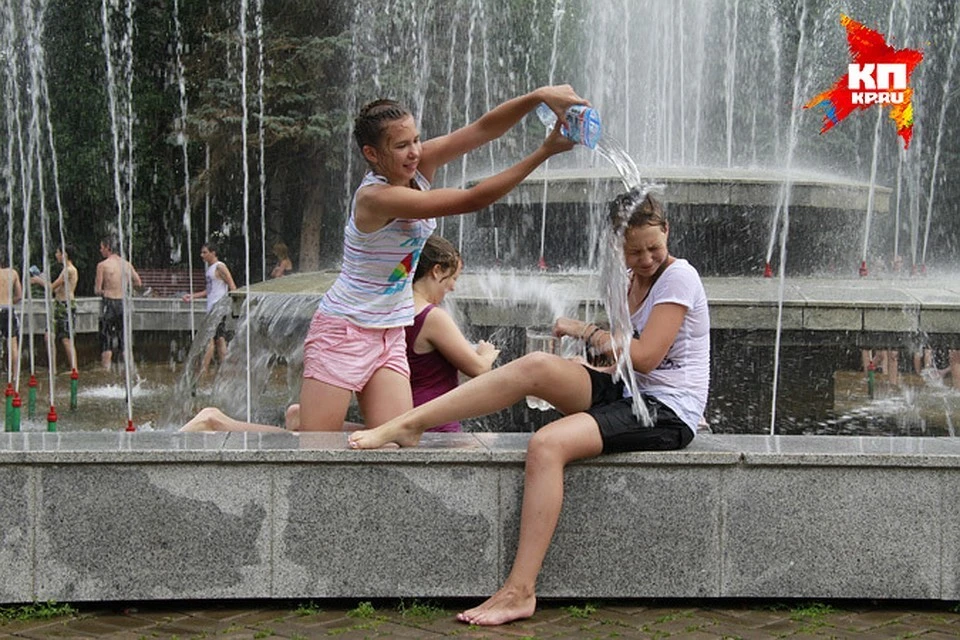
<point>601,619</point>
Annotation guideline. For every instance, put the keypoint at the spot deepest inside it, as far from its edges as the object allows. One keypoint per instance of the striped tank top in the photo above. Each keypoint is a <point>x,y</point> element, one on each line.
<point>374,288</point>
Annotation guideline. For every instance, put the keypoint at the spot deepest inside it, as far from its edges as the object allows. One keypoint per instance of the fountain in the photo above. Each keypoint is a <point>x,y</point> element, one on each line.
<point>701,99</point>
<point>707,111</point>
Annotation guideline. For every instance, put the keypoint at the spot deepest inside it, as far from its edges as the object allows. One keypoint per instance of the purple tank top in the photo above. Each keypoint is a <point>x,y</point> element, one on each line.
<point>431,375</point>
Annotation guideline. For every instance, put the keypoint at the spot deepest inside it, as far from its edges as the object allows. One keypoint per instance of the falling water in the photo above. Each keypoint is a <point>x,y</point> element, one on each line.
<point>558,13</point>
<point>121,122</point>
<point>940,127</point>
<point>244,121</point>
<point>262,171</point>
<point>187,217</point>
<point>873,168</point>
<point>468,85</point>
<point>784,207</point>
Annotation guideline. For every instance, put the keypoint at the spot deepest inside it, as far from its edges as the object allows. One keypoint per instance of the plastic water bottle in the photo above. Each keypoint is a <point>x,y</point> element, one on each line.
<point>581,123</point>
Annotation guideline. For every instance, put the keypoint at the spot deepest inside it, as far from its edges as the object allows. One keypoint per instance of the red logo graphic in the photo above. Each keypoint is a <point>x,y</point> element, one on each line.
<point>879,75</point>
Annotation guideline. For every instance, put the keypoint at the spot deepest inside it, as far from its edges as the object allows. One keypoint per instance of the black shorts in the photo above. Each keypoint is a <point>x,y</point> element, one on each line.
<point>620,430</point>
<point>5,317</point>
<point>61,326</point>
<point>111,324</point>
<point>222,331</point>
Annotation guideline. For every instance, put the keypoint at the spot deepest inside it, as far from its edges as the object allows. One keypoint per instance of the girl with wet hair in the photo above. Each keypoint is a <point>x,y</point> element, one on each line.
<point>355,344</point>
<point>670,358</point>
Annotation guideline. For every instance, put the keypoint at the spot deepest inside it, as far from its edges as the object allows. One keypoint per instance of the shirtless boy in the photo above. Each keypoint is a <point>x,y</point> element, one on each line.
<point>11,291</point>
<point>113,274</point>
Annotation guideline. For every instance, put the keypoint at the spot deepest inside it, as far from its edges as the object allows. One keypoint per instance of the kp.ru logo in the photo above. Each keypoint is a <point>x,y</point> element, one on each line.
<point>879,75</point>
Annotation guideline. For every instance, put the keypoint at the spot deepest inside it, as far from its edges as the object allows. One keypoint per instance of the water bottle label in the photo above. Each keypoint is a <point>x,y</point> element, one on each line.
<point>581,123</point>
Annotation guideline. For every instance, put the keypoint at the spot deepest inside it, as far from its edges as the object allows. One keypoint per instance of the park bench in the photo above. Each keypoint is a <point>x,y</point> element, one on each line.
<point>170,282</point>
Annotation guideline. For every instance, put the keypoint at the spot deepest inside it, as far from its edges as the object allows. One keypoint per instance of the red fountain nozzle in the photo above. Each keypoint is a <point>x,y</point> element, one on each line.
<point>33,381</point>
<point>130,426</point>
<point>542,264</point>
<point>767,270</point>
<point>863,269</point>
<point>52,414</point>
<point>17,402</point>
<point>9,391</point>
<point>74,375</point>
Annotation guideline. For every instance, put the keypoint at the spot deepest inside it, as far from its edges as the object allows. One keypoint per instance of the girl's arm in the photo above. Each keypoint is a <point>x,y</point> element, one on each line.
<point>443,333</point>
<point>377,205</point>
<point>493,124</point>
<point>647,351</point>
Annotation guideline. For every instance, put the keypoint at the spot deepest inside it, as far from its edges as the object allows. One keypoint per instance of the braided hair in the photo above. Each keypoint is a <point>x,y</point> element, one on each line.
<point>369,125</point>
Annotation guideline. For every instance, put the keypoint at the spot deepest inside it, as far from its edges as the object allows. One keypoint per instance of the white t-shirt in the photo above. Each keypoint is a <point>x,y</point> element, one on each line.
<point>682,379</point>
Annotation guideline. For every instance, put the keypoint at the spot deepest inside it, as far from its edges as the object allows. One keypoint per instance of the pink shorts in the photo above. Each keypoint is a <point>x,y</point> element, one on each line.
<point>339,353</point>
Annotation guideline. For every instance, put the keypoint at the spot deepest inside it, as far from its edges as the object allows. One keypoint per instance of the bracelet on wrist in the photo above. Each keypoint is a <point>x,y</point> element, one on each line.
<point>589,340</point>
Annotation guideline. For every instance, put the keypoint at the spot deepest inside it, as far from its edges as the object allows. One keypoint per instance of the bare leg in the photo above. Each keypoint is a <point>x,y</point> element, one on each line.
<point>212,419</point>
<point>323,406</point>
<point>562,383</point>
<point>291,418</point>
<point>386,396</point>
<point>207,358</point>
<point>106,359</point>
<point>15,357</point>
<point>550,450</point>
<point>221,349</point>
<point>71,353</point>
<point>893,364</point>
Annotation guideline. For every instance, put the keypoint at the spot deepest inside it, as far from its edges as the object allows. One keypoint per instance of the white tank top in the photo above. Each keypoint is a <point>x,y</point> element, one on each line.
<point>374,288</point>
<point>216,288</point>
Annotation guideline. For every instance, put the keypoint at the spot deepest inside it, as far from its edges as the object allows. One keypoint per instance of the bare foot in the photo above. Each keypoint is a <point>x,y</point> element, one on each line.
<point>502,607</point>
<point>385,435</point>
<point>209,419</point>
<point>291,419</point>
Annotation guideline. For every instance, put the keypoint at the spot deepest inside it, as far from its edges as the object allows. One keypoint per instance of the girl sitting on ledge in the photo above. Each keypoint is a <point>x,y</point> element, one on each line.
<point>671,363</point>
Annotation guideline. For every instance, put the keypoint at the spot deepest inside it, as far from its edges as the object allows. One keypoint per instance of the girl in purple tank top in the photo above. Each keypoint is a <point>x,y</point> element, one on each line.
<point>436,348</point>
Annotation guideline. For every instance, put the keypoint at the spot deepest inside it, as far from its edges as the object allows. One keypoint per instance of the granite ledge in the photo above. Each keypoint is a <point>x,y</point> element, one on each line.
<point>464,448</point>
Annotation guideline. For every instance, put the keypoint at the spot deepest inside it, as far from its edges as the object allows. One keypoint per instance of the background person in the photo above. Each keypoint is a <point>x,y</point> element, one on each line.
<point>64,291</point>
<point>284,264</point>
<point>115,275</point>
<point>219,281</point>
<point>11,292</point>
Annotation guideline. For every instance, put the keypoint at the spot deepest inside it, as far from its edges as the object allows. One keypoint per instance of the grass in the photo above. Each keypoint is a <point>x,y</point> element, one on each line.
<point>307,609</point>
<point>363,609</point>
<point>35,611</point>
<point>424,610</point>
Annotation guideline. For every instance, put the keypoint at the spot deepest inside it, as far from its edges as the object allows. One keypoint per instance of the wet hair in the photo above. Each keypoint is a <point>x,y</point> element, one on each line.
<point>109,242</point>
<point>636,209</point>
<point>211,247</point>
<point>437,251</point>
<point>369,125</point>
<point>67,250</point>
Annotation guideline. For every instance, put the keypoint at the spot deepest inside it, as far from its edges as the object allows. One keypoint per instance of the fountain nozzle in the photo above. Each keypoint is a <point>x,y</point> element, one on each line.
<point>863,269</point>
<point>542,264</point>
<point>130,426</point>
<point>767,270</point>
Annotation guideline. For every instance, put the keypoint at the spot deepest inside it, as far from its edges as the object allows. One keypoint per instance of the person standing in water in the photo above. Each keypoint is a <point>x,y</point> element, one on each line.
<point>670,357</point>
<point>219,282</point>
<point>115,275</point>
<point>355,344</point>
<point>64,292</point>
<point>11,292</point>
